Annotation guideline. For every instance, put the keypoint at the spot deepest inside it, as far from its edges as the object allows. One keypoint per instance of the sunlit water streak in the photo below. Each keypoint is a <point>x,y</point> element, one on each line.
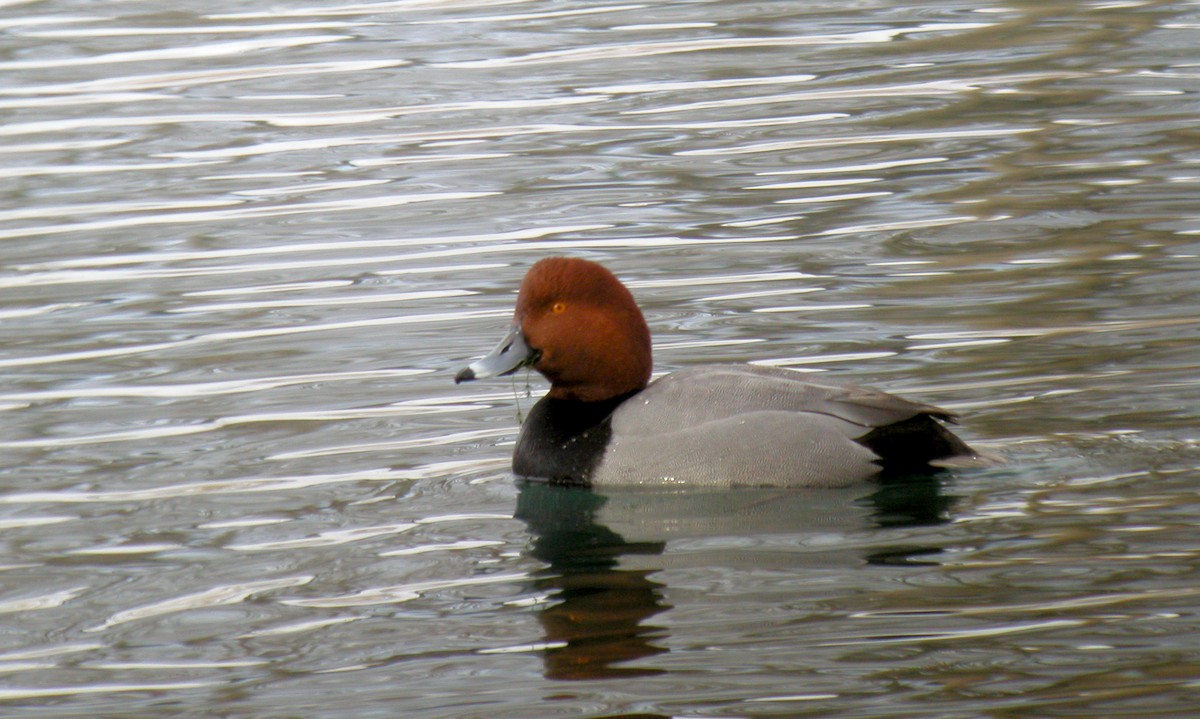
<point>650,49</point>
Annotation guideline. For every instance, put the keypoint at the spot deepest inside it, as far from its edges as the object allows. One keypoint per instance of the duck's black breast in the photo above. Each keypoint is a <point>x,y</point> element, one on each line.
<point>563,440</point>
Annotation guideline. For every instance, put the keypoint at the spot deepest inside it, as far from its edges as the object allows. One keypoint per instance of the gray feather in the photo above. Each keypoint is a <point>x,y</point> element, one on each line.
<point>746,425</point>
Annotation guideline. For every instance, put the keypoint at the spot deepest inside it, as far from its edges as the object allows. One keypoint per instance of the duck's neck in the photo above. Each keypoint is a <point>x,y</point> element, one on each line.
<point>594,395</point>
<point>600,375</point>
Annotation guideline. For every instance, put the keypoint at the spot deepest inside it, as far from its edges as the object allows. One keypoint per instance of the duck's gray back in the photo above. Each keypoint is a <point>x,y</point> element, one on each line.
<point>725,425</point>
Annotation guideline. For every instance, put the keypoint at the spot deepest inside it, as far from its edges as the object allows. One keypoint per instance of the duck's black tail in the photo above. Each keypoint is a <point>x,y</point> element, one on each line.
<point>918,444</point>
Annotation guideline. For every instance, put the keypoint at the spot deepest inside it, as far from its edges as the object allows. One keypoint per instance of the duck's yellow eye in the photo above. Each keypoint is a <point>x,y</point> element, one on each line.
<point>558,308</point>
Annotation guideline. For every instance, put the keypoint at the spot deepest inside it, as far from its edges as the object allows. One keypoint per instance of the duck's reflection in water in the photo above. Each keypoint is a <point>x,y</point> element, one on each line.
<point>915,501</point>
<point>596,619</point>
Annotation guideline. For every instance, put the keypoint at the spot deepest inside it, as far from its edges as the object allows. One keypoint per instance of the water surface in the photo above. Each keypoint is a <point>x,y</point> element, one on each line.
<point>244,248</point>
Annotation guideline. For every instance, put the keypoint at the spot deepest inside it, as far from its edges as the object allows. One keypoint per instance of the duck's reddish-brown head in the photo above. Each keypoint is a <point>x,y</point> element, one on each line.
<point>577,325</point>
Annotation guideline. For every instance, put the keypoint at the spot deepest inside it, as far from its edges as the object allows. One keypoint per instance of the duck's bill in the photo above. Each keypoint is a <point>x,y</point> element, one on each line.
<point>509,356</point>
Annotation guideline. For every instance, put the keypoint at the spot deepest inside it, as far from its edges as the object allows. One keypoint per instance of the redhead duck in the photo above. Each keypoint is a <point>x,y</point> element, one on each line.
<point>604,423</point>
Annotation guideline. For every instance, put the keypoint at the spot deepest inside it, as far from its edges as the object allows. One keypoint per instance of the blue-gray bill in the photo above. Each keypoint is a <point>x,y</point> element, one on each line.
<point>511,354</point>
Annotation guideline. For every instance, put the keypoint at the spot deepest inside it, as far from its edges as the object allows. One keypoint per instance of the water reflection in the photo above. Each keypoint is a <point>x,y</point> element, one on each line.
<point>911,501</point>
<point>595,621</point>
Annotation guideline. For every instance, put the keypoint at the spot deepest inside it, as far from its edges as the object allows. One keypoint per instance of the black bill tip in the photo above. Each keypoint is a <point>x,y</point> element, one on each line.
<point>466,374</point>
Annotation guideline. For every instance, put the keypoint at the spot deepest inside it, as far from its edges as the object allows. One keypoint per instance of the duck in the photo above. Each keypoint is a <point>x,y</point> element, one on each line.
<point>604,423</point>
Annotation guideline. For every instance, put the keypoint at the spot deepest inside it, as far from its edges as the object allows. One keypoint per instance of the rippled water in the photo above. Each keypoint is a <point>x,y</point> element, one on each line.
<point>244,246</point>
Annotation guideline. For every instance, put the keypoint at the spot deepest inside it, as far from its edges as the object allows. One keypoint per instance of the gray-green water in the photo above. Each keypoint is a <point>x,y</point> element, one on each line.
<point>244,246</point>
